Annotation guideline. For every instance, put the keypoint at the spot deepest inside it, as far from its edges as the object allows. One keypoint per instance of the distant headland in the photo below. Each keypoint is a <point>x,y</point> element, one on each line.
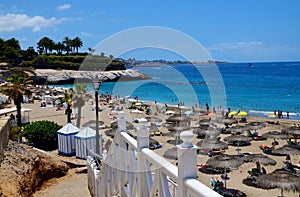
<point>60,62</point>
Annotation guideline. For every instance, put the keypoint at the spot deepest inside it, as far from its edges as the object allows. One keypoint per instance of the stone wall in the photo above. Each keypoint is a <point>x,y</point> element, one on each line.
<point>4,135</point>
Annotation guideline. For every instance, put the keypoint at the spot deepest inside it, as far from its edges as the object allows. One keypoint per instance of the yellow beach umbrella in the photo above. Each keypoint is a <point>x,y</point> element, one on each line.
<point>232,113</point>
<point>272,115</point>
<point>242,113</point>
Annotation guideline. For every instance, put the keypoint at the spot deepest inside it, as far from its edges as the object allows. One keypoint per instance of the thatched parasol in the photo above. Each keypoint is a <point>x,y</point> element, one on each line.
<point>111,132</point>
<point>255,125</point>
<point>259,159</point>
<point>283,180</point>
<point>224,161</point>
<point>92,124</point>
<point>175,132</point>
<point>262,159</point>
<point>129,125</point>
<point>275,135</point>
<point>238,129</point>
<point>238,138</point>
<point>178,128</point>
<point>292,130</point>
<point>286,150</point>
<point>201,132</point>
<point>211,145</point>
<point>153,119</point>
<point>226,121</point>
<point>178,118</point>
<point>171,153</point>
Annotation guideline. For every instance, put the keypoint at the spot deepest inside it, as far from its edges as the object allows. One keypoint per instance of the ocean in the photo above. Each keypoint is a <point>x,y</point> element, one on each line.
<point>258,88</point>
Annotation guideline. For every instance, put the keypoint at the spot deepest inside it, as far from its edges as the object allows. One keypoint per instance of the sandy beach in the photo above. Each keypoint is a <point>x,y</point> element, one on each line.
<point>236,176</point>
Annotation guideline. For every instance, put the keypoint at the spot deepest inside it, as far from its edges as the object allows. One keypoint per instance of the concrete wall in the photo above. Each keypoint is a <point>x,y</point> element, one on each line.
<point>4,134</point>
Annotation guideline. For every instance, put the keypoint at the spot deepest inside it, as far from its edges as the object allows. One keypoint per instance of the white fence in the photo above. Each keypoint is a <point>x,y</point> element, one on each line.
<point>131,169</point>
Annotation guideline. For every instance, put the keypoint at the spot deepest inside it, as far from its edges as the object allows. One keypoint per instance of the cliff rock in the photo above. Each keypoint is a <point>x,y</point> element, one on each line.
<point>51,76</point>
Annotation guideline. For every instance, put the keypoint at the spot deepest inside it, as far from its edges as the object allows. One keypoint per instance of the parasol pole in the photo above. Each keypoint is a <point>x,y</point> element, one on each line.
<point>238,150</point>
<point>225,177</point>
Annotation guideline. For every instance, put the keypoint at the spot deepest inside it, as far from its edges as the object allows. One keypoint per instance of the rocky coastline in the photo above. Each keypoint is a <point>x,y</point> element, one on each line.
<point>52,76</point>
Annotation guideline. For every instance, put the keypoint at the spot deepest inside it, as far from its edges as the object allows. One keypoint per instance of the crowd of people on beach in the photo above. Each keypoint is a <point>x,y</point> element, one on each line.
<point>278,114</point>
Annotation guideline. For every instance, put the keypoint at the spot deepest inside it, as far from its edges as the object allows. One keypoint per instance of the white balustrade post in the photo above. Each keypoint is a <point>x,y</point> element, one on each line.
<point>142,142</point>
<point>187,161</point>
<point>121,121</point>
<point>122,151</point>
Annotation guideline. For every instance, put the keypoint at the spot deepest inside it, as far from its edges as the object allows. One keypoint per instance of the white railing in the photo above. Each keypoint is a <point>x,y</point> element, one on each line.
<point>131,169</point>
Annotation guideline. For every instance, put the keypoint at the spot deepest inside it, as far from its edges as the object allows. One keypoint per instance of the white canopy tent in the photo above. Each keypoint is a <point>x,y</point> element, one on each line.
<point>66,140</point>
<point>25,113</point>
<point>85,141</point>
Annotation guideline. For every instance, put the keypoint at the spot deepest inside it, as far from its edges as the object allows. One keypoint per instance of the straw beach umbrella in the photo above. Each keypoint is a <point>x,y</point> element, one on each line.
<point>238,139</point>
<point>226,121</point>
<point>171,153</point>
<point>255,125</point>
<point>200,132</point>
<point>283,180</point>
<point>224,161</point>
<point>211,145</point>
<point>175,132</point>
<point>178,118</point>
<point>238,129</point>
<point>275,135</point>
<point>92,124</point>
<point>153,119</point>
<point>286,150</point>
<point>259,159</point>
<point>262,159</point>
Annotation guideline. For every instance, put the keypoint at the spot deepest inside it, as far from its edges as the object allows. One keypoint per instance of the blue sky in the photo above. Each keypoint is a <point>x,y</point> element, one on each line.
<point>230,30</point>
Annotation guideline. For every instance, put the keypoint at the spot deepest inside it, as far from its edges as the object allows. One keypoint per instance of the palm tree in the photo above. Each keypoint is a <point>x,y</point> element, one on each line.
<point>67,42</point>
<point>80,90</point>
<point>45,44</point>
<point>68,94</point>
<point>59,47</point>
<point>77,43</point>
<point>15,90</point>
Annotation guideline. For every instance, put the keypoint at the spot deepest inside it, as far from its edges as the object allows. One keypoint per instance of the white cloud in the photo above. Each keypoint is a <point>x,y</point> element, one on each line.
<point>235,46</point>
<point>64,7</point>
<point>13,22</point>
<point>85,34</point>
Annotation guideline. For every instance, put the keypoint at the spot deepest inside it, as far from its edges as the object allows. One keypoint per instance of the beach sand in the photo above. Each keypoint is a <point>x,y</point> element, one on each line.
<point>236,176</point>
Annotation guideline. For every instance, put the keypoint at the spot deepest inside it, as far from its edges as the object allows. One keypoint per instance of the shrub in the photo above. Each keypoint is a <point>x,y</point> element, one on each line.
<point>15,133</point>
<point>42,134</point>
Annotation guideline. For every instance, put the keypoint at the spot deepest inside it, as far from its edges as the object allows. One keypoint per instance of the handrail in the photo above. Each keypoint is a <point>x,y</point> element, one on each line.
<point>161,163</point>
<point>196,188</point>
<point>130,168</point>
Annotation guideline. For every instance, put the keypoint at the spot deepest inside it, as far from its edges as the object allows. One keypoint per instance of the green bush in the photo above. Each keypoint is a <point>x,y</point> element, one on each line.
<point>15,133</point>
<point>42,134</point>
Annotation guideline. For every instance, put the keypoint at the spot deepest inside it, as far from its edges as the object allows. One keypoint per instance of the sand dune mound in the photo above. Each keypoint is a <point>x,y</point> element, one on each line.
<point>24,169</point>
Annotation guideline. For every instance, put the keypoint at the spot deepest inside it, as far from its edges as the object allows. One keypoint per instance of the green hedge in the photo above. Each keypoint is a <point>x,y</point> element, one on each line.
<point>42,134</point>
<point>74,62</point>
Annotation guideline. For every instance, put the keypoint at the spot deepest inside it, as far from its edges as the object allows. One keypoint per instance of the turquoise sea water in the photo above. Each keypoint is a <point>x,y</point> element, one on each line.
<point>259,88</point>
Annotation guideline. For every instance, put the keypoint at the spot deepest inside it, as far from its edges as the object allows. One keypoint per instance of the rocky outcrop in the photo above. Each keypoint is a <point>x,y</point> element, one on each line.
<point>51,76</point>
